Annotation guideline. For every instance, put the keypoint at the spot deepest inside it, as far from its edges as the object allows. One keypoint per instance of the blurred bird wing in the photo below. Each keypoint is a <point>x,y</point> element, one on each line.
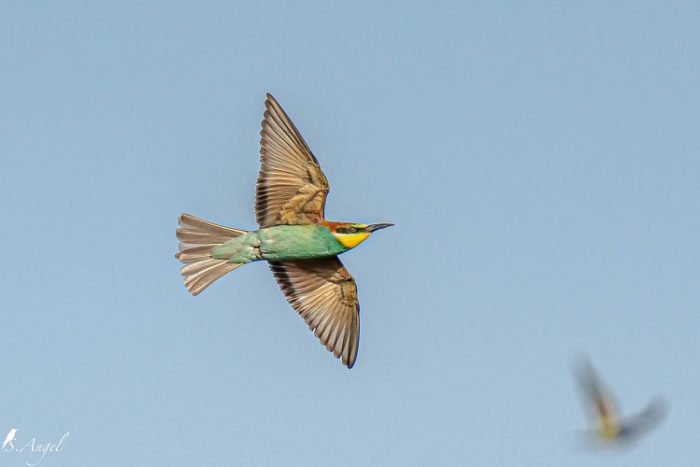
<point>291,187</point>
<point>324,293</point>
<point>638,424</point>
<point>598,400</point>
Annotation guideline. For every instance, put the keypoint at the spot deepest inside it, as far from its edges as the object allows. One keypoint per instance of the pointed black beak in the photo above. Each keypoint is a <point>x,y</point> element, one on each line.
<point>373,227</point>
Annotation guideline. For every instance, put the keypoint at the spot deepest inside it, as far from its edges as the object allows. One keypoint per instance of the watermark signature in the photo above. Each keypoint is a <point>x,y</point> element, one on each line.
<point>34,449</point>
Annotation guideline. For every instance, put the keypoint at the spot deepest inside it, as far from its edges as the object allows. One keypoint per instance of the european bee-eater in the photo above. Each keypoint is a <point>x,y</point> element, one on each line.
<point>300,245</point>
<point>609,428</point>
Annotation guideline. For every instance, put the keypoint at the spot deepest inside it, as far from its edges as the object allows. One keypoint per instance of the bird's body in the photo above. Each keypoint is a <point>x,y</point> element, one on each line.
<point>294,237</point>
<point>281,242</point>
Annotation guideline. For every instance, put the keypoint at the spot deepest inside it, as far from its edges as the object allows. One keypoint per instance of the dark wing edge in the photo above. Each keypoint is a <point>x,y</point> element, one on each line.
<point>277,112</point>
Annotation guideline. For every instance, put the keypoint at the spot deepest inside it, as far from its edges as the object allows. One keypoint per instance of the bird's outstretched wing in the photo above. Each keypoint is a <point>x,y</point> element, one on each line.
<point>598,401</point>
<point>324,293</point>
<point>291,188</point>
<point>637,425</point>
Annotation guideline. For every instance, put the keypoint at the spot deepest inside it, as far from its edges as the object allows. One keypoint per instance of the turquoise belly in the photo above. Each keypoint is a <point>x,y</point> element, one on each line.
<point>280,242</point>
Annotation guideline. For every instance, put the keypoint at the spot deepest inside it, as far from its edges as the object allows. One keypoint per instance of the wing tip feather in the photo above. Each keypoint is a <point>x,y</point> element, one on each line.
<point>336,326</point>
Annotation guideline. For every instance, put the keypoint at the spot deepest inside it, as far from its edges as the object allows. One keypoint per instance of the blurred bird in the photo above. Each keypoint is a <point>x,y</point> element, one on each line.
<point>609,427</point>
<point>300,245</point>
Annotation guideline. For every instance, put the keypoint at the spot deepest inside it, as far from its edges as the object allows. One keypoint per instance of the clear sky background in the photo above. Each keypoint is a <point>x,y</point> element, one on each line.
<point>541,162</point>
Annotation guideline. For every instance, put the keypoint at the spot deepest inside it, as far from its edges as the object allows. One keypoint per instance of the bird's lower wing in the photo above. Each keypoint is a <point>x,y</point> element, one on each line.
<point>638,424</point>
<point>324,293</point>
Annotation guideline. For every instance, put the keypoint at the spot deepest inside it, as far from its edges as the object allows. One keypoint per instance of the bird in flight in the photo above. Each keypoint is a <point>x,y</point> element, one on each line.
<point>300,245</point>
<point>609,427</point>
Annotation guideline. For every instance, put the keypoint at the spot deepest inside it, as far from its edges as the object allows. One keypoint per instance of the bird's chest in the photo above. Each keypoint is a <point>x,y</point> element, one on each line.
<point>283,242</point>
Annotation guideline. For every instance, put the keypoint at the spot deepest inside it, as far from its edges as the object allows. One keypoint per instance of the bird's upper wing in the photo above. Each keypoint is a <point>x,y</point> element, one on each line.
<point>324,293</point>
<point>291,187</point>
<point>597,399</point>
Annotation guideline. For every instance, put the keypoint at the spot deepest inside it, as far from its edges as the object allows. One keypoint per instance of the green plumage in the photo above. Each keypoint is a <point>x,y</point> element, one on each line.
<point>280,242</point>
<point>301,245</point>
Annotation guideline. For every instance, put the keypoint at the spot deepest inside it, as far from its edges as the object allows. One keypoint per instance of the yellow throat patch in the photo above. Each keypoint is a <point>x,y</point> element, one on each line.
<point>351,240</point>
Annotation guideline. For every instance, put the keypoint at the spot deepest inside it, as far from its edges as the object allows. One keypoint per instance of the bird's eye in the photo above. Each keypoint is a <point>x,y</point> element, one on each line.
<point>352,230</point>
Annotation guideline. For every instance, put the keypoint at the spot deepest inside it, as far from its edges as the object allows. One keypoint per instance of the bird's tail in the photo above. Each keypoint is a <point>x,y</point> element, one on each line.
<point>197,238</point>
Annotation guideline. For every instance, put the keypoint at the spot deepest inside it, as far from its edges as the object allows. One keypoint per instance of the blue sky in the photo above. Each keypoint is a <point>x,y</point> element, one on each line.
<point>539,160</point>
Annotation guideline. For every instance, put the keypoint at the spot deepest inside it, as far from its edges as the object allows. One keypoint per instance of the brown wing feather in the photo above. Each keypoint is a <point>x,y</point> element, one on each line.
<point>598,399</point>
<point>291,187</point>
<point>324,293</point>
